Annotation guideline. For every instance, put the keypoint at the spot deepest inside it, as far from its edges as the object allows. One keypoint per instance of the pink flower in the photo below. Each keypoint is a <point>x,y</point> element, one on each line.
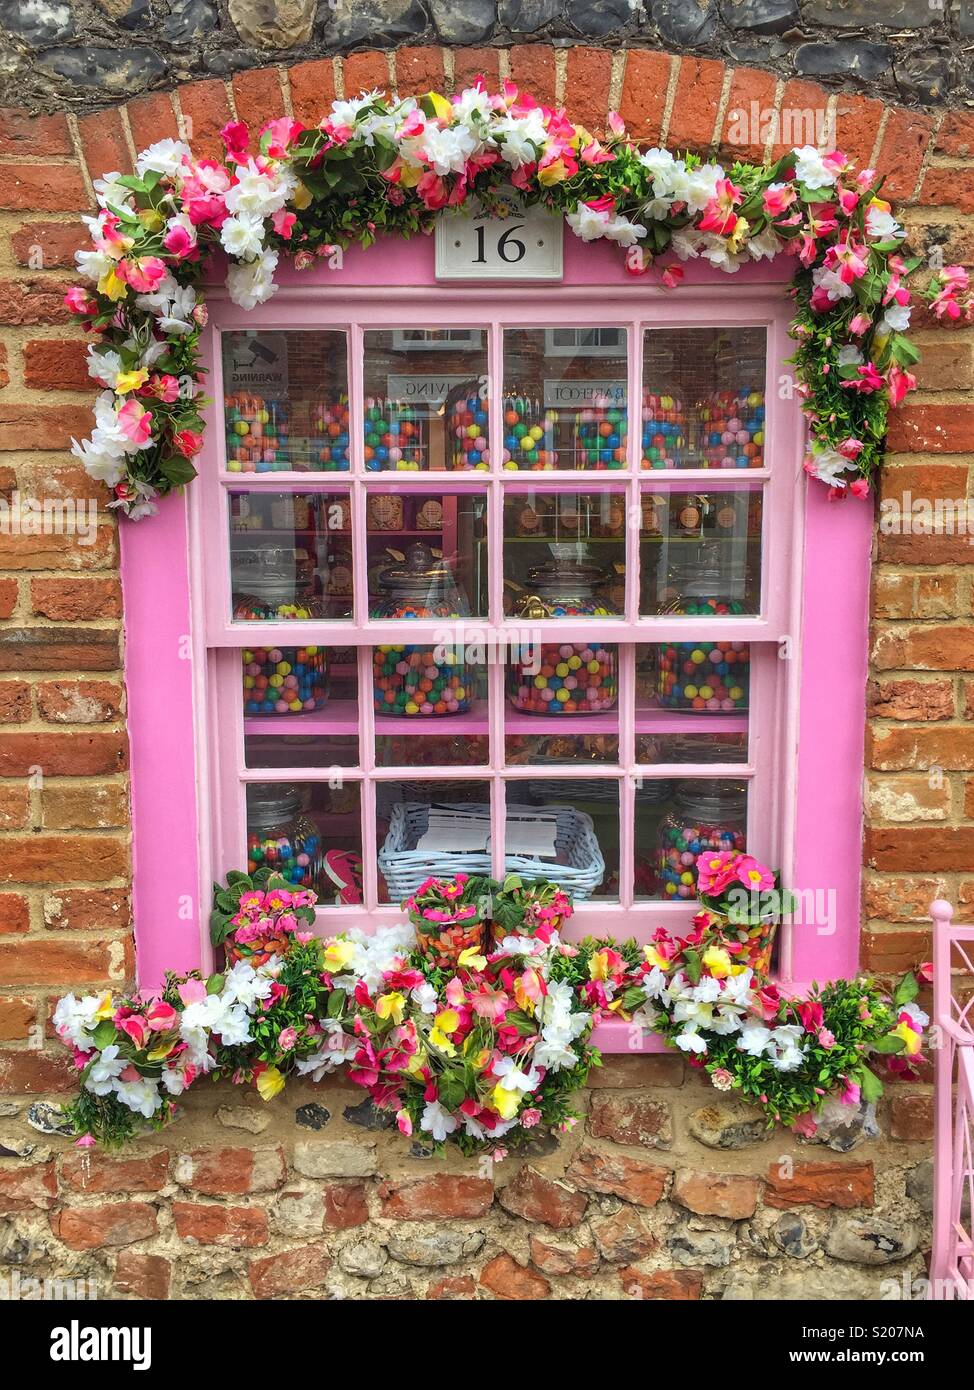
<point>192,991</point>
<point>753,875</point>
<point>850,1095</point>
<point>143,274</point>
<point>80,302</point>
<point>716,871</point>
<point>860,487</point>
<point>859,324</point>
<point>719,215</point>
<point>236,137</point>
<point>178,240</point>
<point>900,383</point>
<point>87,1141</point>
<point>805,1124</point>
<point>161,1017</point>
<point>404,1123</point>
<point>866,380</point>
<point>133,1026</point>
<point>811,1014</point>
<point>924,972</point>
<point>135,422</point>
<point>277,137</point>
<point>722,1079</point>
<point>287,1038</point>
<point>188,443</point>
<point>283,222</point>
<point>529,1118</point>
<point>826,1038</point>
<point>778,198</point>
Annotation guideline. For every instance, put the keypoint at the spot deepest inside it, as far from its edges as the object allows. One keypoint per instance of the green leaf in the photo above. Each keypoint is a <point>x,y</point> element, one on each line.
<point>215,983</point>
<point>177,470</point>
<point>693,966</point>
<point>907,990</point>
<point>889,1043</point>
<point>870,1086</point>
<point>104,1034</point>
<point>336,1002</point>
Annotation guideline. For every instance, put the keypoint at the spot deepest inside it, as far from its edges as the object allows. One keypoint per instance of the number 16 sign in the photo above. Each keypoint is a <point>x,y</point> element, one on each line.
<point>525,245</point>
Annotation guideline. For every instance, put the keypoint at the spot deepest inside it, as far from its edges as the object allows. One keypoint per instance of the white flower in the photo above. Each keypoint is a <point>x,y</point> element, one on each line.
<point>234,1026</point>
<point>810,168</point>
<point>766,245</point>
<point>106,1067</point>
<point>447,151</point>
<point>164,157</point>
<point>687,243</point>
<point>916,1016</point>
<point>173,1080</point>
<point>437,1121</point>
<point>624,232</point>
<point>245,985</point>
<point>707,990</point>
<point>754,1039</point>
<point>424,996</point>
<point>699,188</point>
<point>896,318</point>
<point>471,102</point>
<point>827,465</point>
<point>347,112</point>
<point>103,365</point>
<point>690,1041</point>
<point>258,193</point>
<point>242,236</point>
<point>832,282</point>
<point>588,223</point>
<point>111,193</point>
<point>654,983</point>
<point>253,283</point>
<point>512,1078</point>
<point>75,1018</point>
<point>142,1096</point>
<point>881,224</point>
<point>849,356</point>
<point>784,1048</point>
<point>521,138</point>
<point>93,264</point>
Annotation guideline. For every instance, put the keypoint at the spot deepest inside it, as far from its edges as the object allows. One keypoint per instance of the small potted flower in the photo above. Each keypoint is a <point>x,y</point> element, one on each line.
<point>254,917</point>
<point>741,903</point>
<point>517,908</point>
<point>447,915</point>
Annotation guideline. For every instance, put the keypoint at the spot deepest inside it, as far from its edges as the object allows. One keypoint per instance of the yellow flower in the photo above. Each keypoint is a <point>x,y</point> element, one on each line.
<point>909,1036</point>
<point>447,1020</point>
<point>471,959</point>
<point>151,220</point>
<point>442,1043</point>
<point>555,172</point>
<point>338,953</point>
<point>653,957</point>
<point>598,966</point>
<point>717,961</point>
<point>270,1083</point>
<point>301,197</point>
<point>739,235</point>
<point>158,1053</point>
<point>391,1006</point>
<point>504,1102</point>
<point>106,1008</point>
<point>111,286</point>
<point>130,381</point>
<point>410,175</point>
<point>880,204</point>
<point>416,1062</point>
<point>441,107</point>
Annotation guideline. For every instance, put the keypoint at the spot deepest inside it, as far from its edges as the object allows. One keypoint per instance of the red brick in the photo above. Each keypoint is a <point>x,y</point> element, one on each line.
<point>911,1118</point>
<point>750,98</point>
<point>956,135</point>
<point>508,1280</point>
<point>932,429</point>
<point>471,63</point>
<point>152,118</point>
<point>33,301</point>
<point>42,188</point>
<point>459,1287</point>
<point>205,111</point>
<point>560,1257</point>
<point>532,67</point>
<point>901,152</point>
<point>947,188</point>
<point>73,600</point>
<point>896,749</point>
<point>33,135</point>
<point>36,1073</point>
<point>418,71</point>
<point>28,426</point>
<point>946,364</point>
<point>258,97</point>
<point>695,104</point>
<point>57,551</point>
<point>219,1172</point>
<point>292,1272</point>
<point>62,754</point>
<point>905,899</point>
<point>17,1018</point>
<point>598,1170</point>
<point>434,1198</point>
<point>85,806</point>
<point>811,102</point>
<point>911,700</point>
<point>819,1184</point>
<point>716,1194</point>
<point>46,961</point>
<point>14,702</point>
<point>346,1205</point>
<point>95,1172</point>
<point>28,1187</point>
<point>210,1223</point>
<point>14,807</point>
<point>536,1198</point>
<point>644,88</point>
<point>928,647</point>
<point>673,1285</point>
<point>9,593</point>
<point>365,72</point>
<point>915,850</point>
<point>893,952</point>
<point>94,1227</point>
<point>312,89</point>
<point>79,702</point>
<point>857,121</point>
<point>143,1276</point>
<point>104,145</point>
<point>87,909</point>
<point>52,364</point>
<point>587,82</point>
<point>14,914</point>
<point>635,1119</point>
<point>624,1236</point>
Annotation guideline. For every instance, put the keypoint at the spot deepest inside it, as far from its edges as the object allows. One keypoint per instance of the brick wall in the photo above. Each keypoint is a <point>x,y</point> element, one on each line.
<point>273,1201</point>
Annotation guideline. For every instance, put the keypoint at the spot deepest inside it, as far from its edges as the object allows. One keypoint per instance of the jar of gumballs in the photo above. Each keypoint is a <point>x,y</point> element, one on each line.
<point>664,431</point>
<point>329,443</point>
<point>731,427</point>
<point>529,435</point>
<point>702,583</point>
<point>280,836</point>
<point>705,816</point>
<point>600,437</point>
<point>653,795</point>
<point>284,680</point>
<point>256,434</point>
<point>415,680</point>
<point>711,677</point>
<point>395,437</point>
<point>468,430</point>
<point>564,678</point>
<point>273,583</point>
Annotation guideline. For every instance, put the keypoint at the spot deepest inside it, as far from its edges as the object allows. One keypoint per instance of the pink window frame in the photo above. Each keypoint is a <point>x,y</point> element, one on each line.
<point>808,712</point>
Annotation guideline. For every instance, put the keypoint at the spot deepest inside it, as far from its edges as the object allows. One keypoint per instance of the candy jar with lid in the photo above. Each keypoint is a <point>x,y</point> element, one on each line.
<point>284,680</point>
<point>564,678</point>
<point>707,815</point>
<point>416,680</point>
<point>280,835</point>
<point>274,583</point>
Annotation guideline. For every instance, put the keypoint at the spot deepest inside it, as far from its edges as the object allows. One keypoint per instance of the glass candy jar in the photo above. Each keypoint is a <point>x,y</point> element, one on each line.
<point>416,680</point>
<point>272,583</point>
<point>710,677</point>
<point>664,431</point>
<point>705,816</point>
<point>284,680</point>
<point>280,835</point>
<point>564,677</point>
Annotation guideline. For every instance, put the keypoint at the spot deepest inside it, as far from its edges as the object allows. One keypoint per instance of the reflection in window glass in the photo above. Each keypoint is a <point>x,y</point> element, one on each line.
<point>700,553</point>
<point>564,554</point>
<point>427,554</point>
<point>285,401</point>
<point>290,556</point>
<point>703,398</point>
<point>565,398</point>
<point>426,400</point>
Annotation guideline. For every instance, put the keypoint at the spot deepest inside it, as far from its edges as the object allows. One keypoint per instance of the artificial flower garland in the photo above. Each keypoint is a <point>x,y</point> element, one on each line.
<point>374,166</point>
<point>481,1052</point>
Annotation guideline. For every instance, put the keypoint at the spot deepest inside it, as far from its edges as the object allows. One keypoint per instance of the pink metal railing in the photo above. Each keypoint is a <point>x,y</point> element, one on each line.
<point>952,1260</point>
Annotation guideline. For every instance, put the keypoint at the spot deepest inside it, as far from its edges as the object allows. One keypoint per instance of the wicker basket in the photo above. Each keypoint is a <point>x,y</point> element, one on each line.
<point>579,867</point>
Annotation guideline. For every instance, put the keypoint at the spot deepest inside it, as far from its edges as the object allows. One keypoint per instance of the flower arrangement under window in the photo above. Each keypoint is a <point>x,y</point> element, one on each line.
<point>479,1051</point>
<point>373,166</point>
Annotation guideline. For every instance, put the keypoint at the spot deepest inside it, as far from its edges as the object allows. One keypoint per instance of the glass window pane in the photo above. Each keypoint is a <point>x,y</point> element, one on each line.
<point>703,397</point>
<point>676,821</point>
<point>437,827</point>
<point>565,398</point>
<point>290,556</point>
<point>309,832</point>
<point>426,399</point>
<point>285,401</point>
<point>700,552</point>
<point>564,553</point>
<point>418,750</point>
<point>300,707</point>
<point>561,747</point>
<point>586,813</point>
<point>427,554</point>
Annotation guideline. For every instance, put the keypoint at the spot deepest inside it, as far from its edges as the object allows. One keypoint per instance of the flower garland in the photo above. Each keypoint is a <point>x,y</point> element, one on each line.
<point>374,166</point>
<point>480,1054</point>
